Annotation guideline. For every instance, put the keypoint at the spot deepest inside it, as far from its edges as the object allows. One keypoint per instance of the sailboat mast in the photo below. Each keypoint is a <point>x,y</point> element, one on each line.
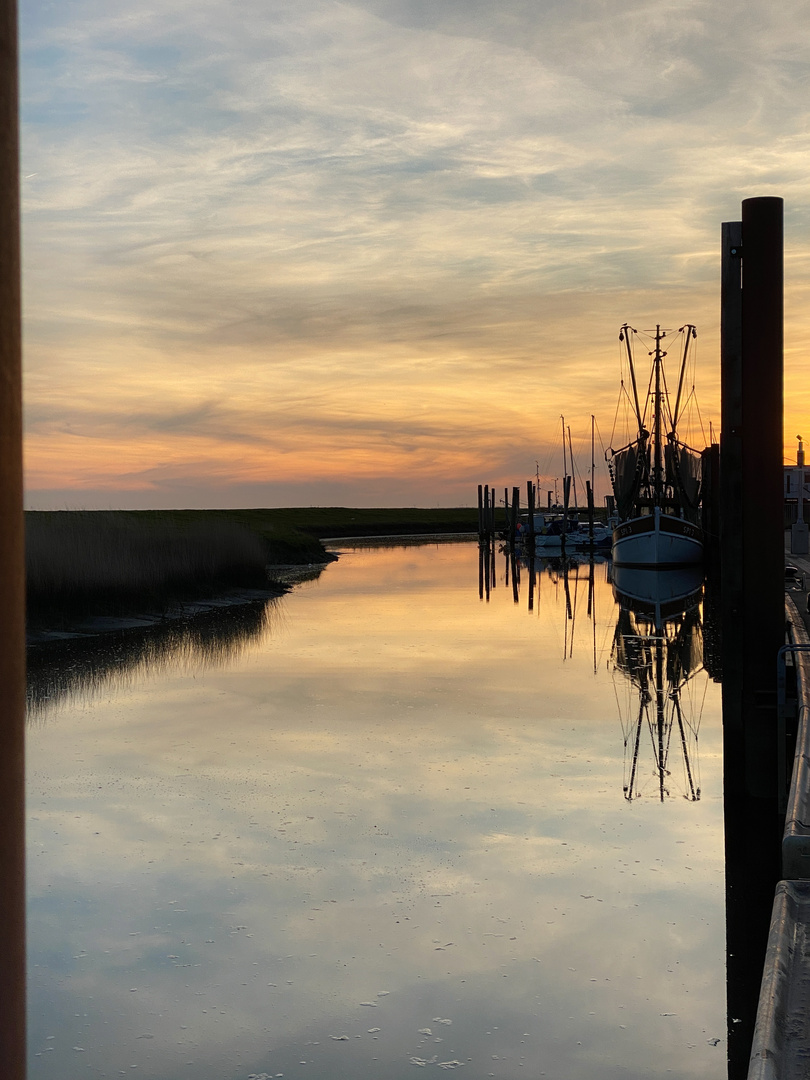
<point>573,473</point>
<point>690,333</point>
<point>659,471</point>
<point>624,335</point>
<point>565,460</point>
<point>593,462</point>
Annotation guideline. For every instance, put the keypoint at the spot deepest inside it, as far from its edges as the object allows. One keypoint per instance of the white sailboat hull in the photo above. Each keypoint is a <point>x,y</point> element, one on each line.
<point>657,540</point>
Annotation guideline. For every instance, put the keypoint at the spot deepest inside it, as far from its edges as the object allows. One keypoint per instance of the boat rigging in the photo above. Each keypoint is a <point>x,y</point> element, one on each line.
<point>656,477</point>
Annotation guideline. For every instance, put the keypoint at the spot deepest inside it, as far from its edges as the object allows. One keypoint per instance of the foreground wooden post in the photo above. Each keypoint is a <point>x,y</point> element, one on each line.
<point>752,595</point>
<point>12,584</point>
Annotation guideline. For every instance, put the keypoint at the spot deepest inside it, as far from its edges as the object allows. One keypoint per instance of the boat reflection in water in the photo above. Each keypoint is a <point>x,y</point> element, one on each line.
<point>659,677</point>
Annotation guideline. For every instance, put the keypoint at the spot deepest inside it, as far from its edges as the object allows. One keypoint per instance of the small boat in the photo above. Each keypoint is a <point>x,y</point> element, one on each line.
<point>657,478</point>
<point>552,530</point>
<point>560,528</point>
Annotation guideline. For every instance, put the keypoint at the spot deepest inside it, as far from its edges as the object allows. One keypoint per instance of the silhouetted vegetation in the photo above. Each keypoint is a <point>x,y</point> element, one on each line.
<point>85,563</point>
<point>115,561</point>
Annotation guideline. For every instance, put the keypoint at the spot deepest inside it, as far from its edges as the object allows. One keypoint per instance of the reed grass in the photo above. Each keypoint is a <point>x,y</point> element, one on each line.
<point>111,561</point>
<point>95,562</point>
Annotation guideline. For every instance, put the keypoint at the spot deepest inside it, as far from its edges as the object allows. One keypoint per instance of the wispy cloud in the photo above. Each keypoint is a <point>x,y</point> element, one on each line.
<point>392,216</point>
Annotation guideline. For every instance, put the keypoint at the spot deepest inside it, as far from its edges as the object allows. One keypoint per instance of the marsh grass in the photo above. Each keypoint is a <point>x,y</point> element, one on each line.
<point>111,562</point>
<point>120,562</point>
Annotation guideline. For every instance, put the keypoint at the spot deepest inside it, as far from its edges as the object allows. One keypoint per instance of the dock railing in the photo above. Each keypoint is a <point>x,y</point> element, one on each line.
<point>781,1043</point>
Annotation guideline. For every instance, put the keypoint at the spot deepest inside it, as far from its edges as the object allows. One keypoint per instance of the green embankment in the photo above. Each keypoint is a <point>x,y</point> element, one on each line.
<point>83,563</point>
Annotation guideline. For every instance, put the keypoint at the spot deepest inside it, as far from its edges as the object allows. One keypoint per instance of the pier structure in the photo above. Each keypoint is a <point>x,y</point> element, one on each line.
<point>766,672</point>
<point>781,1038</point>
<point>752,595</point>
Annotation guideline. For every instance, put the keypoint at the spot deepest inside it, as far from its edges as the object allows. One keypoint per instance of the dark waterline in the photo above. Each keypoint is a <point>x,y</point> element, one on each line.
<point>390,831</point>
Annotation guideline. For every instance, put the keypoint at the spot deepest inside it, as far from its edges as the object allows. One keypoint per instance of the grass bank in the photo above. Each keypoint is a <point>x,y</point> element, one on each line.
<point>93,563</point>
<point>114,562</point>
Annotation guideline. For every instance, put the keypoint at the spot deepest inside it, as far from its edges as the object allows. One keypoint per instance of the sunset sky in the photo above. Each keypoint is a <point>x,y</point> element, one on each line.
<point>367,253</point>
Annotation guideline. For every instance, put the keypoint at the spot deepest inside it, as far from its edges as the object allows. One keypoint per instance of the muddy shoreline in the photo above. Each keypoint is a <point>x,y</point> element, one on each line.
<point>282,578</point>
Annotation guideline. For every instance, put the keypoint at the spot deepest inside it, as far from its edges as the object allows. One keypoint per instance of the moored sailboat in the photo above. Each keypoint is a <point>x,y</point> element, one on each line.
<point>657,478</point>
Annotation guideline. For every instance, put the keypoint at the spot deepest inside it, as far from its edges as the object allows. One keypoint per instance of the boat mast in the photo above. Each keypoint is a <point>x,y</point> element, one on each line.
<point>624,335</point>
<point>593,471</point>
<point>573,474</point>
<point>565,460</point>
<point>658,474</point>
<point>691,332</point>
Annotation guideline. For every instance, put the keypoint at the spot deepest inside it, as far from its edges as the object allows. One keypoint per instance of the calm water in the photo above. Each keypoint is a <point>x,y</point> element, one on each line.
<point>384,828</point>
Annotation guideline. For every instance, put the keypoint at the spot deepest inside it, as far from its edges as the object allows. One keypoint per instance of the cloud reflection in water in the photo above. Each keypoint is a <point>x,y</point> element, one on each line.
<point>407,799</point>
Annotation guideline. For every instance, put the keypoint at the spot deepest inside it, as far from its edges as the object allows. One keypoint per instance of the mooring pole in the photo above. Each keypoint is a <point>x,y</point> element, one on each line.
<point>566,497</point>
<point>763,529</point>
<point>12,582</point>
<point>752,595</point>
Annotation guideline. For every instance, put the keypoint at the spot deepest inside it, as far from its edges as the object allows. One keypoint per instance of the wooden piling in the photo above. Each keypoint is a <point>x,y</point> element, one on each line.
<point>566,497</point>
<point>752,594</point>
<point>710,502</point>
<point>752,529</point>
<point>530,508</point>
<point>480,514</point>
<point>515,511</point>
<point>12,577</point>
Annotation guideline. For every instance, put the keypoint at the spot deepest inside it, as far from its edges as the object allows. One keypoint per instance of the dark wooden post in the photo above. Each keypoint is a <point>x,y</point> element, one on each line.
<point>752,594</point>
<point>530,508</point>
<point>752,527</point>
<point>710,502</point>
<point>515,511</point>
<point>12,581</point>
<point>480,514</point>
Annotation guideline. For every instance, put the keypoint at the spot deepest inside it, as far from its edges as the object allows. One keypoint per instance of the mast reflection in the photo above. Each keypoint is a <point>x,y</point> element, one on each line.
<point>657,658</point>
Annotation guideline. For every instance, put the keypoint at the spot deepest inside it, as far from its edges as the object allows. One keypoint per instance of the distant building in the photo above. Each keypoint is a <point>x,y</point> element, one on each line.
<point>793,476</point>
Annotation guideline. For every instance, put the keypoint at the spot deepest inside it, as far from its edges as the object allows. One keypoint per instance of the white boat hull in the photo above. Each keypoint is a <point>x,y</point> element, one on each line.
<point>658,540</point>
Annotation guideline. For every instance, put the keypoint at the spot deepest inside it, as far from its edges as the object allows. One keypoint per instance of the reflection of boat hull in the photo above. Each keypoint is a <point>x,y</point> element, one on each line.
<point>657,540</point>
<point>659,593</point>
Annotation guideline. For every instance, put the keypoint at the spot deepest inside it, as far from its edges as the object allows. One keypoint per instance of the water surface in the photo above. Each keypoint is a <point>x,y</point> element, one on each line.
<point>390,831</point>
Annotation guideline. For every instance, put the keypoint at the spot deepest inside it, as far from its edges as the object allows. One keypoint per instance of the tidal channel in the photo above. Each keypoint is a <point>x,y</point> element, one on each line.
<point>387,823</point>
